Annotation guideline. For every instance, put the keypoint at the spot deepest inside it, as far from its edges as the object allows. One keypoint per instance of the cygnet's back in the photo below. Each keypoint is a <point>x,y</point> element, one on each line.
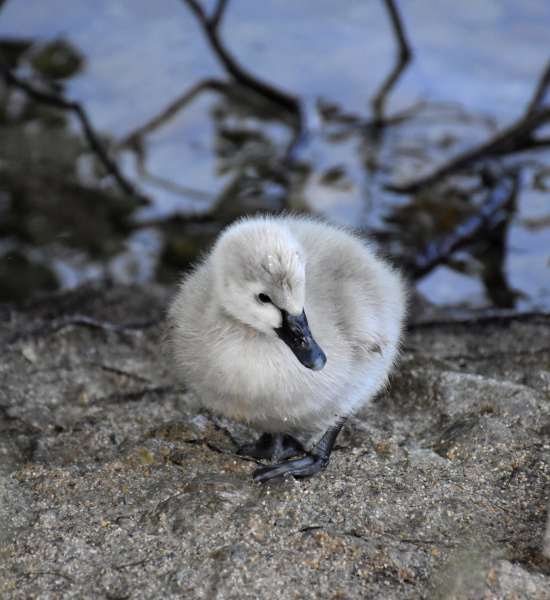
<point>290,324</point>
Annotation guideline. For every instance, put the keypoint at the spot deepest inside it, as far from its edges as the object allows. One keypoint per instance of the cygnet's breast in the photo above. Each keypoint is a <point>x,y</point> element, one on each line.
<point>254,376</point>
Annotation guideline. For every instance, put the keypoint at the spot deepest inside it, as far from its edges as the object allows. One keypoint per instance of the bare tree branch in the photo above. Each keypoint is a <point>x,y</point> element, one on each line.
<point>518,137</point>
<point>405,54</point>
<point>515,138</point>
<point>91,136</point>
<point>287,101</point>
<point>218,13</point>
<point>239,73</point>
<point>540,92</point>
<point>404,46</point>
<point>490,213</point>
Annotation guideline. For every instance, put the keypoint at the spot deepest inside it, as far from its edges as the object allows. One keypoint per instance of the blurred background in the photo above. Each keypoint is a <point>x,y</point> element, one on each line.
<point>194,148</point>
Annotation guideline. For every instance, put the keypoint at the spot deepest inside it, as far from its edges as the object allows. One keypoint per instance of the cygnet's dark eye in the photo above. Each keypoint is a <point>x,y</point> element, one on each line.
<point>264,298</point>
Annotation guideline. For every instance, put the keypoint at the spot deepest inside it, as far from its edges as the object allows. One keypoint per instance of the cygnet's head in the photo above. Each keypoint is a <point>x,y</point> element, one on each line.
<point>259,279</point>
<point>259,270</point>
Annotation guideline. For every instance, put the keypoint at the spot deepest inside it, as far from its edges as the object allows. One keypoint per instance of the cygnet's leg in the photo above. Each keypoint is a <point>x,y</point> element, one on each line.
<point>273,446</point>
<point>315,461</point>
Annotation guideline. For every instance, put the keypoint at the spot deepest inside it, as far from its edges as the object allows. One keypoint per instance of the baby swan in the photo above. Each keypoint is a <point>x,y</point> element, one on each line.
<point>240,334</point>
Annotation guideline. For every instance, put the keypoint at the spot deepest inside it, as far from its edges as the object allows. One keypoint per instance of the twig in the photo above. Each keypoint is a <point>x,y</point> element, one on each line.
<point>217,450</point>
<point>439,251</point>
<point>208,445</point>
<point>496,355</point>
<point>133,396</point>
<point>403,59</point>
<point>82,321</point>
<point>173,187</point>
<point>484,318</point>
<point>136,563</point>
<point>518,137</point>
<point>135,139</point>
<point>135,136</point>
<point>54,573</point>
<point>119,372</point>
<point>93,139</point>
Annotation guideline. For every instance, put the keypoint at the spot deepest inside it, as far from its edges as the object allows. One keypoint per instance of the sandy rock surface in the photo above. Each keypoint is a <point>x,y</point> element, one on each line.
<point>114,485</point>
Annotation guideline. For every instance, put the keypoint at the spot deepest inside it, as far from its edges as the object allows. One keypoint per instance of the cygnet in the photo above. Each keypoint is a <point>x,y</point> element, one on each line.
<point>290,324</point>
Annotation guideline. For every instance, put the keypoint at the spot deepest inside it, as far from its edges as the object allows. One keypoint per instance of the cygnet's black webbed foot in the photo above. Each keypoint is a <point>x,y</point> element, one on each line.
<point>273,446</point>
<point>315,461</point>
<point>301,467</point>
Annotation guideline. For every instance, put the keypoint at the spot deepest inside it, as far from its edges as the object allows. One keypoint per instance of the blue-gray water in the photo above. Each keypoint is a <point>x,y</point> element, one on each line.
<point>475,67</point>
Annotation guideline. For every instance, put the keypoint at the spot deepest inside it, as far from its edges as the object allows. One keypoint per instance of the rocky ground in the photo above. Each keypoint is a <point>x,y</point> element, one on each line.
<point>114,485</point>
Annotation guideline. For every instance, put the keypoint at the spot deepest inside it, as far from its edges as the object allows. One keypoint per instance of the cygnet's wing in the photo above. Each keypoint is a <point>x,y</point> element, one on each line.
<point>350,292</point>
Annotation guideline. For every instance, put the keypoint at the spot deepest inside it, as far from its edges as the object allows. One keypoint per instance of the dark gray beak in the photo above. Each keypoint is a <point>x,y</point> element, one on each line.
<point>295,333</point>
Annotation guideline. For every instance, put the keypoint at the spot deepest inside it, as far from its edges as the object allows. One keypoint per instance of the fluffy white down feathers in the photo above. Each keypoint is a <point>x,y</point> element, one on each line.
<point>225,316</point>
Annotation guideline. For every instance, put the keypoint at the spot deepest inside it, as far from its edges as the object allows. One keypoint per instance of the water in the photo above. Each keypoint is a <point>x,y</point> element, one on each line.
<point>475,67</point>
